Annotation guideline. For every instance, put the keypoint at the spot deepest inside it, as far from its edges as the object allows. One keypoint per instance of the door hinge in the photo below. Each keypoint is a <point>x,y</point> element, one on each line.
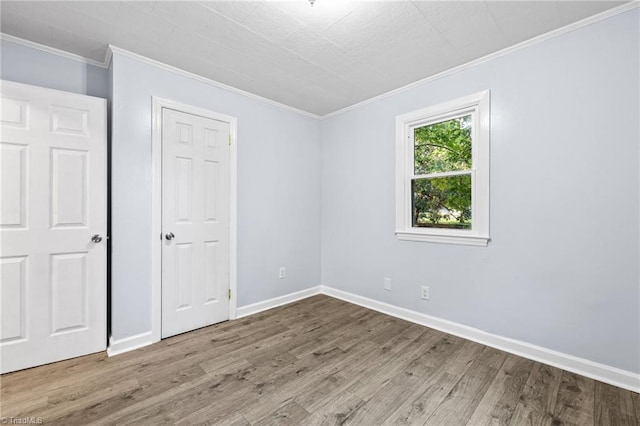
<point>229,294</point>
<point>229,140</point>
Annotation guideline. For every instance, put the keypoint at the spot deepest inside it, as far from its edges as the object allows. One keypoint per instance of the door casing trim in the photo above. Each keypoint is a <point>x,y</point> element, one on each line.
<point>156,206</point>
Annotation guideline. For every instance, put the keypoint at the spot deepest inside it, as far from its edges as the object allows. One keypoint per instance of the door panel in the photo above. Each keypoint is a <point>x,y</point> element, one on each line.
<point>14,309</point>
<point>68,291</point>
<point>13,173</point>
<point>211,190</point>
<point>53,199</point>
<point>69,121</point>
<point>195,205</point>
<point>68,187</point>
<point>211,281</point>
<point>184,276</point>
<point>183,183</point>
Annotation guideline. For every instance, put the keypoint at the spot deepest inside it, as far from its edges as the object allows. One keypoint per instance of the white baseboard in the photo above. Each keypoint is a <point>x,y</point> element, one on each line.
<point>254,308</point>
<point>127,344</point>
<point>604,373</point>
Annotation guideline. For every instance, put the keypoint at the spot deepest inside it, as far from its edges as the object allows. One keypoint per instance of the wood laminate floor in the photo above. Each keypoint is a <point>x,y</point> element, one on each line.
<point>314,362</point>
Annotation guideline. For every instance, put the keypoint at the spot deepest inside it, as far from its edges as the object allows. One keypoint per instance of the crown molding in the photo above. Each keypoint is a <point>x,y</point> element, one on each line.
<point>500,53</point>
<point>108,56</point>
<point>171,68</point>
<point>52,50</point>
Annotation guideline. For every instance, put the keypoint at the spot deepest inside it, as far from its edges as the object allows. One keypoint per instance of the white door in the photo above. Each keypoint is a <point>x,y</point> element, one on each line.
<point>53,185</point>
<point>195,222</point>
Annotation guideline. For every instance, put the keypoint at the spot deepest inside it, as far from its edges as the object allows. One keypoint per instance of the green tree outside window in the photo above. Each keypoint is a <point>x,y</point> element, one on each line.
<point>443,201</point>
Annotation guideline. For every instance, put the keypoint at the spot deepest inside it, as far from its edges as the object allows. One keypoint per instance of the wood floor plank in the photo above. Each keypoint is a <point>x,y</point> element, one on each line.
<point>319,393</point>
<point>336,411</point>
<point>263,342</point>
<point>60,403</point>
<point>325,340</point>
<point>466,355</point>
<point>17,384</point>
<point>435,356</point>
<point>162,403</point>
<point>302,368</point>
<point>25,408</point>
<point>385,401</point>
<point>459,405</point>
<point>318,361</point>
<point>297,386</point>
<point>423,402</point>
<point>145,360</point>
<point>491,357</point>
<point>221,394</point>
<point>575,401</point>
<point>336,380</point>
<point>350,374</point>
<point>439,377</point>
<point>385,335</point>
<point>635,398</point>
<point>234,419</point>
<point>149,387</point>
<point>289,414</point>
<point>278,388</point>
<point>300,337</point>
<point>500,400</point>
<point>394,361</point>
<point>343,337</point>
<point>224,406</point>
<point>613,406</point>
<point>538,397</point>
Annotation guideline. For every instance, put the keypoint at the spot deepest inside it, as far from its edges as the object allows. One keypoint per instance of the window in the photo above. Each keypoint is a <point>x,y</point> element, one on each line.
<point>442,172</point>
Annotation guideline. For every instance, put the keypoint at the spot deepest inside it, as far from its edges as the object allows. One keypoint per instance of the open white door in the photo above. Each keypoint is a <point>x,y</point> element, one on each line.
<point>52,225</point>
<point>195,221</point>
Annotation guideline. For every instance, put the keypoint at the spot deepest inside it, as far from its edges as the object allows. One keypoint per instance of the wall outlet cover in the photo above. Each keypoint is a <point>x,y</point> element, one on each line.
<point>387,284</point>
<point>424,292</point>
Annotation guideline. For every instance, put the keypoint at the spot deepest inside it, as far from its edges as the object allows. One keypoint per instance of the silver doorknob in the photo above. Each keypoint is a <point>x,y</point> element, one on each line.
<point>96,238</point>
<point>170,236</point>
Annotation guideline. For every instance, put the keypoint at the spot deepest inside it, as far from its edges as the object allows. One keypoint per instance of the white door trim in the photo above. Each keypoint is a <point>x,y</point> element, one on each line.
<point>156,206</point>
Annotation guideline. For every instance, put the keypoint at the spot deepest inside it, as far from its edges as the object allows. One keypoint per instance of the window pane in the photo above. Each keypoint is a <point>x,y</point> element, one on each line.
<point>443,147</point>
<point>443,202</point>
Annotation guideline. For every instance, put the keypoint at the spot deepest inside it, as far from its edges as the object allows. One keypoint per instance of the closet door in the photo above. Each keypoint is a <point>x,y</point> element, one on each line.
<point>195,221</point>
<point>52,225</point>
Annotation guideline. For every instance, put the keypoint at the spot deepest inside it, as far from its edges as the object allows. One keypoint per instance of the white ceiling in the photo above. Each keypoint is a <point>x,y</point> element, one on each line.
<point>318,59</point>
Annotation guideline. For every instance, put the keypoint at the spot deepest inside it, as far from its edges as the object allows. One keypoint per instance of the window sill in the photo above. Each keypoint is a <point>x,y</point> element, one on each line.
<point>465,240</point>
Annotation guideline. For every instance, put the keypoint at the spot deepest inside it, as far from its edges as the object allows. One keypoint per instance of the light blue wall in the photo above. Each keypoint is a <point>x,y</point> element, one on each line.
<point>561,270</point>
<point>32,66</point>
<point>278,191</point>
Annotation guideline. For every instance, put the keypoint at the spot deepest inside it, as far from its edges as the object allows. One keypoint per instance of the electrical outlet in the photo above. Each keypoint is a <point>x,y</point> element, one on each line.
<point>283,272</point>
<point>387,284</point>
<point>424,292</point>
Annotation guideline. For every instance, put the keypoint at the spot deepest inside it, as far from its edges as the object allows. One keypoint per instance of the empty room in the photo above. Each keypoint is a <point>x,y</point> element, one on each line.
<point>320,212</point>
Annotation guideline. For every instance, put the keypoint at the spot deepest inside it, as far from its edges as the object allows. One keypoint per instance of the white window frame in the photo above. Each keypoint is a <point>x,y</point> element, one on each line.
<point>478,106</point>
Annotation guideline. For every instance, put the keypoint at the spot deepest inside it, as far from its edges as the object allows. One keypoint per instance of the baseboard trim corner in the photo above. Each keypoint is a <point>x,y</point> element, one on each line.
<point>120,346</point>
<point>254,308</point>
<point>601,372</point>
